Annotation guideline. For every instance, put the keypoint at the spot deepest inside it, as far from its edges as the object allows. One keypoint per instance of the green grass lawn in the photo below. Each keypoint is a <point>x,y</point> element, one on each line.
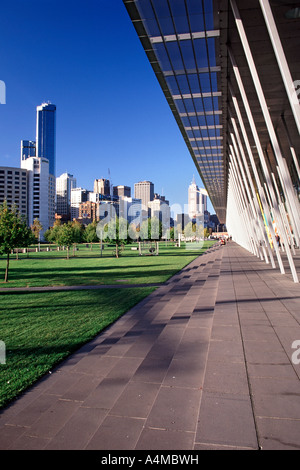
<point>41,329</point>
<point>88,268</point>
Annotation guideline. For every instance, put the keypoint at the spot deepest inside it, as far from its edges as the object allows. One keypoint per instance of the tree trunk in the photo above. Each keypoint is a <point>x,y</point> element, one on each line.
<point>6,270</point>
<point>117,251</point>
<point>67,252</point>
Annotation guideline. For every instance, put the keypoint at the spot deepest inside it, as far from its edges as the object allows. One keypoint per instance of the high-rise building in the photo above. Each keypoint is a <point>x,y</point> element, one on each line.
<point>13,188</point>
<point>122,191</point>
<point>197,203</point>
<point>46,134</point>
<point>64,185</point>
<point>39,192</point>
<point>144,190</point>
<point>78,195</point>
<point>28,149</point>
<point>102,186</point>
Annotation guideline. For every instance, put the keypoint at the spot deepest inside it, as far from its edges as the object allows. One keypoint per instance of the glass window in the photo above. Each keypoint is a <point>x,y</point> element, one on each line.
<point>152,28</point>
<point>194,83</point>
<point>183,84</point>
<point>161,7</point>
<point>145,9</point>
<point>205,82</point>
<point>208,104</point>
<point>163,57</point>
<point>180,106</point>
<point>196,23</point>
<point>201,53</point>
<point>211,52</point>
<point>175,57</point>
<point>188,54</point>
<point>166,25</point>
<point>198,104</point>
<point>189,105</point>
<point>181,24</point>
<point>194,121</point>
<point>172,84</point>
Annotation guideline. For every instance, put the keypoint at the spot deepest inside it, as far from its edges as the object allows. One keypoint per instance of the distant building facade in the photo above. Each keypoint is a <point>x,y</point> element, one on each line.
<point>144,190</point>
<point>46,134</point>
<point>78,195</point>
<point>39,192</point>
<point>28,149</point>
<point>197,200</point>
<point>102,186</point>
<point>64,185</point>
<point>13,188</point>
<point>122,191</point>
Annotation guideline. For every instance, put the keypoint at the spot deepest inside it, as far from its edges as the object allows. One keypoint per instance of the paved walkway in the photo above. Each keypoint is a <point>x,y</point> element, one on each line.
<point>204,362</point>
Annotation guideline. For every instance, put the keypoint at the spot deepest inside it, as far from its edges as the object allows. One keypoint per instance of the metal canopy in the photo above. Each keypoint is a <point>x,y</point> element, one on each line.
<point>189,44</point>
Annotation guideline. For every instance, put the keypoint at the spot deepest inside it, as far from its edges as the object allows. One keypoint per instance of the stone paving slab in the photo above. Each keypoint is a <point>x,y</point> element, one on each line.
<point>204,362</point>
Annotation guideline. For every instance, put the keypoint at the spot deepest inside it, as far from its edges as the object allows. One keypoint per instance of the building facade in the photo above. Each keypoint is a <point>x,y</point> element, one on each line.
<point>229,74</point>
<point>64,185</point>
<point>46,134</point>
<point>197,200</point>
<point>78,195</point>
<point>122,191</point>
<point>28,149</point>
<point>38,184</point>
<point>144,190</point>
<point>13,188</point>
<point>102,186</point>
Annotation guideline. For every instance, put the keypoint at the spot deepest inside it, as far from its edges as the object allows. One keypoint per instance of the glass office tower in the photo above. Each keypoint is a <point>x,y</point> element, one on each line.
<point>28,149</point>
<point>46,134</point>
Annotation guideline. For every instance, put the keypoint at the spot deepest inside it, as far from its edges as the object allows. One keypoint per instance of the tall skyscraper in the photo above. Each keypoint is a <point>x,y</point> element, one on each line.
<point>64,185</point>
<point>144,190</point>
<point>102,186</point>
<point>39,206</point>
<point>78,195</point>
<point>197,203</point>
<point>28,149</point>
<point>46,134</point>
<point>122,191</point>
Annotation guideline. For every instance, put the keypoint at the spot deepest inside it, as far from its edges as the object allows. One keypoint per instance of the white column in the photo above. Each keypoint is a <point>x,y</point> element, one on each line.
<point>275,144</point>
<point>267,176</point>
<point>281,59</point>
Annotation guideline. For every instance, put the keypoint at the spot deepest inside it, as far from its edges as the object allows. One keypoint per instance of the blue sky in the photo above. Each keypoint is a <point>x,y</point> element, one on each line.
<point>85,57</point>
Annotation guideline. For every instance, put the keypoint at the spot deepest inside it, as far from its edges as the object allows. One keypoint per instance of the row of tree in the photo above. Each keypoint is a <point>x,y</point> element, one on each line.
<point>14,232</point>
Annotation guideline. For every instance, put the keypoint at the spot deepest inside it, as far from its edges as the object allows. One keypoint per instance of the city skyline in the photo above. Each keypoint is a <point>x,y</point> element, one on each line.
<point>112,119</point>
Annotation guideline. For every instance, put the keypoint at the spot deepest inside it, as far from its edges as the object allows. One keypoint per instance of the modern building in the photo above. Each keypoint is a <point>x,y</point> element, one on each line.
<point>197,200</point>
<point>39,192</point>
<point>130,208</point>
<point>43,148</point>
<point>13,188</point>
<point>78,195</point>
<point>64,185</point>
<point>181,221</point>
<point>122,191</point>
<point>228,71</point>
<point>28,149</point>
<point>46,134</point>
<point>144,190</point>
<point>102,186</point>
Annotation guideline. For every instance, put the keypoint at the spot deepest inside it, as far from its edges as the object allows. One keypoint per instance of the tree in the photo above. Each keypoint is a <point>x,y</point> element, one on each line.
<point>14,233</point>
<point>116,230</point>
<point>36,228</point>
<point>90,234</point>
<point>66,236</point>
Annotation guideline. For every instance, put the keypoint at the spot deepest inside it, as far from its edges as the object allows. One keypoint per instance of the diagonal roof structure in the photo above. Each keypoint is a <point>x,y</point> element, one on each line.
<point>230,72</point>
